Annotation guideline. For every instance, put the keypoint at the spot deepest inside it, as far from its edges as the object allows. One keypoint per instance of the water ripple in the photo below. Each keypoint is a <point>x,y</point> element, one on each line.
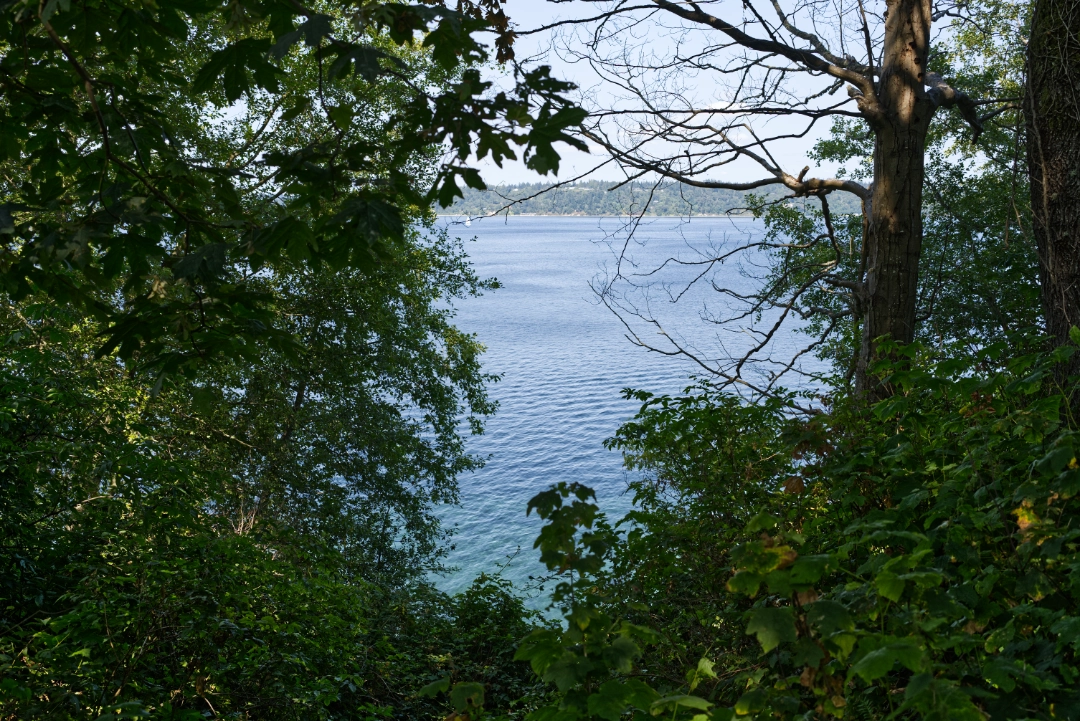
<point>564,361</point>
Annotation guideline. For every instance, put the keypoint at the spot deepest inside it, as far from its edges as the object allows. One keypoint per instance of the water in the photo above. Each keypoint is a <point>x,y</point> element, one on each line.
<point>564,359</point>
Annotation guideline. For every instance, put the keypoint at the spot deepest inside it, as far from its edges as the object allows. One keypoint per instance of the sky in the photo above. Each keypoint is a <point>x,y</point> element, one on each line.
<point>529,14</point>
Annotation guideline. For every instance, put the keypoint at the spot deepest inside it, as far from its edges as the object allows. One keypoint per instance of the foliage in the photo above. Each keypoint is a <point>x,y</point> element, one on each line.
<point>911,560</point>
<point>925,565</point>
<point>165,619</point>
<point>976,218</point>
<point>358,437</point>
<point>244,184</point>
<point>585,659</point>
<point>128,587</point>
<point>247,538</point>
<point>157,157</point>
<point>349,444</point>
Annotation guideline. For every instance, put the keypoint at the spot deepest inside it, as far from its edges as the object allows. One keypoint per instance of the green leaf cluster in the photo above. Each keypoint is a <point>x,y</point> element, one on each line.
<point>155,159</point>
<point>250,539</point>
<point>915,559</point>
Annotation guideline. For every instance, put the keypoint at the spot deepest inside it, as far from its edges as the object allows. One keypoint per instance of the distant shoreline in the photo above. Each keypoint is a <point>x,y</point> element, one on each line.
<point>579,215</point>
<point>594,199</point>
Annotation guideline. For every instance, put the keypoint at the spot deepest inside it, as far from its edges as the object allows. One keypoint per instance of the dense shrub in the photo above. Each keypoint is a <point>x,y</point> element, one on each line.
<point>125,591</point>
<point>911,560</point>
<point>139,610</point>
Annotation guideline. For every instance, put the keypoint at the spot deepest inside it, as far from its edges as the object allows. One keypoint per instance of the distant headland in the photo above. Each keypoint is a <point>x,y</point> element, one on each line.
<point>595,198</point>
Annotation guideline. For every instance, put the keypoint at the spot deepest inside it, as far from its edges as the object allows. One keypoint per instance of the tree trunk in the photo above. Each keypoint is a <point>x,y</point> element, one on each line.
<point>1052,101</point>
<point>894,226</point>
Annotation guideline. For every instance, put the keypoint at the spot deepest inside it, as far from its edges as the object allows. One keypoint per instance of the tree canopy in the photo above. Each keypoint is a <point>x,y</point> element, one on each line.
<point>161,156</point>
<point>232,395</point>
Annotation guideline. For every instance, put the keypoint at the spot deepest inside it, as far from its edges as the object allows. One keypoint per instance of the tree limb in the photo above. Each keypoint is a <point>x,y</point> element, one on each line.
<point>944,95</point>
<point>849,71</point>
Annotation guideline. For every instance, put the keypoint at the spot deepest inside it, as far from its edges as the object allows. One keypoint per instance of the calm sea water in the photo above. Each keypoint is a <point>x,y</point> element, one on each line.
<point>564,359</point>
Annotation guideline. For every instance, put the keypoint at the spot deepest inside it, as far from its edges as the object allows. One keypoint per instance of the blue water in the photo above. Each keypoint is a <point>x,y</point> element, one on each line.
<point>564,359</point>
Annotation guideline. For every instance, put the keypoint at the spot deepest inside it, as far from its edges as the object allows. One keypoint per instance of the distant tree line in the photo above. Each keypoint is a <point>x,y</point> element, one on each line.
<point>598,197</point>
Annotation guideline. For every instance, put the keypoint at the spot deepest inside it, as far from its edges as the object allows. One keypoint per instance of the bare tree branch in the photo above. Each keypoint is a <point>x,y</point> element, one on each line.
<point>944,96</point>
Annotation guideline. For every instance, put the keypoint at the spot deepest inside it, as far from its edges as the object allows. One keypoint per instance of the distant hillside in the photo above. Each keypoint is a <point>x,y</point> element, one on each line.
<point>593,198</point>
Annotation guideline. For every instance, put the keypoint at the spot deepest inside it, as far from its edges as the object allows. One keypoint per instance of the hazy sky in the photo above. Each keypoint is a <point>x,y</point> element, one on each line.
<point>527,14</point>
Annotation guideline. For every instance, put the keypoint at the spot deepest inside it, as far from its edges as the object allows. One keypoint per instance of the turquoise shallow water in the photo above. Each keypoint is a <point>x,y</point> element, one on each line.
<point>564,360</point>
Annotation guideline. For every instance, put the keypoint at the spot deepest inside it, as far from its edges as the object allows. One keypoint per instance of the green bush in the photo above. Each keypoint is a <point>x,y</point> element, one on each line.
<point>910,560</point>
<point>125,591</point>
<point>142,612</point>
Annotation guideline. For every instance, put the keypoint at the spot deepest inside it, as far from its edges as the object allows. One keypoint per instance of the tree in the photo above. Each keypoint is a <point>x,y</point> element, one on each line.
<point>1052,102</point>
<point>132,141</point>
<point>226,508</point>
<point>732,89</point>
<point>125,593</point>
<point>975,213</point>
<point>355,441</point>
<point>251,538</point>
<point>329,398</point>
<point>348,431</point>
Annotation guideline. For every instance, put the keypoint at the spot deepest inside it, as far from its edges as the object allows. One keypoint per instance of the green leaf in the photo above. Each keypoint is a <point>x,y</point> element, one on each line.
<point>609,701</point>
<point>772,626</point>
<point>296,109</point>
<point>640,694</point>
<point>809,569</point>
<point>827,617</point>
<point>806,653</point>
<point>1000,672</point>
<point>684,700</point>
<point>365,61</point>
<point>48,10</point>
<point>750,702</point>
<point>206,261</point>
<point>918,684</point>
<point>9,145</point>
<point>567,671</point>
<point>467,695</point>
<point>342,115</point>
<point>879,662</point>
<point>621,654</point>
<point>1056,460</point>
<point>316,28</point>
<point>232,65</point>
<point>909,654</point>
<point>434,688</point>
<point>541,648</point>
<point>889,585</point>
<point>703,671</point>
<point>761,522</point>
<point>1067,629</point>
<point>290,234</point>
<point>284,43</point>
<point>875,664</point>
<point>745,582</point>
